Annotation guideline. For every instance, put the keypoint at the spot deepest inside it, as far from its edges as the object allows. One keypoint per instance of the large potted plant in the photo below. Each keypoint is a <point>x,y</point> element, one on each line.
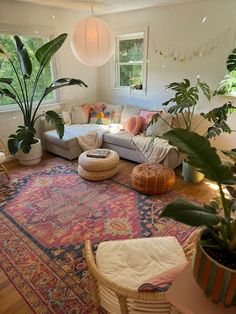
<point>214,264</point>
<point>183,107</point>
<point>23,143</point>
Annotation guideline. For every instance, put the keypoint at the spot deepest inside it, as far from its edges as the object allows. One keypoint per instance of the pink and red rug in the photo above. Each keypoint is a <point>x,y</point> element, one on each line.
<point>46,214</point>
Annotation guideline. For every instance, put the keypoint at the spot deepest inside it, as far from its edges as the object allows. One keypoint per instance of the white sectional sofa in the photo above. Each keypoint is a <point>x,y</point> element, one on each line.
<point>119,140</point>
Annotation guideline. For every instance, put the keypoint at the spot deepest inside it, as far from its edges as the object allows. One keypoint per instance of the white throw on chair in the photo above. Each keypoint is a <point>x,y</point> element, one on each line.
<point>122,266</point>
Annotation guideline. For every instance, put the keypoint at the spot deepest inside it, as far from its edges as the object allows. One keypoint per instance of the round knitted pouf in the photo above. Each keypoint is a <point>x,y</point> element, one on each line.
<point>97,175</point>
<point>152,178</point>
<point>99,164</point>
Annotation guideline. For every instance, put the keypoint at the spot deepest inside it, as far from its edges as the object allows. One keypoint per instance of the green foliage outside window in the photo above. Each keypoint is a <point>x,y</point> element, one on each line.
<point>32,43</point>
<point>130,75</point>
<point>131,50</point>
<point>130,61</point>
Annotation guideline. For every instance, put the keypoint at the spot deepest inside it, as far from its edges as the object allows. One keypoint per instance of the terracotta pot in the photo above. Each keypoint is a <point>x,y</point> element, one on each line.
<point>191,174</point>
<point>217,281</point>
<point>33,157</point>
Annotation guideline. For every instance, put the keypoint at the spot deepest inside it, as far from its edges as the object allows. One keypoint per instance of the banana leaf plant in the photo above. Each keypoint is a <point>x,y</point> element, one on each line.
<point>201,155</point>
<point>25,97</point>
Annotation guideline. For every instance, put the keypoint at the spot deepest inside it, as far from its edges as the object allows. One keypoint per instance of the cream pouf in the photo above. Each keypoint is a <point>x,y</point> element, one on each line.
<point>131,262</point>
<point>96,169</point>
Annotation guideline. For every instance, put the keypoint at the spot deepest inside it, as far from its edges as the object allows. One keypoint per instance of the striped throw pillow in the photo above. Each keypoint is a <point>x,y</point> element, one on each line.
<point>133,124</point>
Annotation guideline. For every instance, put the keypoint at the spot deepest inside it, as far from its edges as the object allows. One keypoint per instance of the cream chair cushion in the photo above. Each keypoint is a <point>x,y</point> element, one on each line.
<point>2,157</point>
<point>131,262</point>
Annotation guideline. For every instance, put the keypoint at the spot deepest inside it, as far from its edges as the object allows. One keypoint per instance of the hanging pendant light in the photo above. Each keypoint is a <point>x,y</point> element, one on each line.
<point>92,42</point>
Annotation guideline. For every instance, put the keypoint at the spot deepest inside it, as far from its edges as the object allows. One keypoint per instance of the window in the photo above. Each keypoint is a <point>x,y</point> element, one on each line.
<point>131,61</point>
<point>6,71</point>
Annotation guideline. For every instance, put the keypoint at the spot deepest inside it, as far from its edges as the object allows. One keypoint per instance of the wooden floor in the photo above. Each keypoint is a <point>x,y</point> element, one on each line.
<point>11,301</point>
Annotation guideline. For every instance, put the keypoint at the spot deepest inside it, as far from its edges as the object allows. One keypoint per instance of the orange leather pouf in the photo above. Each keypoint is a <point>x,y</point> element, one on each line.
<point>152,178</point>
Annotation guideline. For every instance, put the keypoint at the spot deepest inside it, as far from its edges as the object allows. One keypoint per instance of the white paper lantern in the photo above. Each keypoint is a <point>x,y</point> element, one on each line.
<point>92,42</point>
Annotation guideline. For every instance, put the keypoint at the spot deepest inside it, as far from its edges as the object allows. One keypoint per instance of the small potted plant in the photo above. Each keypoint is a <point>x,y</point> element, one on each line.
<point>214,264</point>
<point>23,143</point>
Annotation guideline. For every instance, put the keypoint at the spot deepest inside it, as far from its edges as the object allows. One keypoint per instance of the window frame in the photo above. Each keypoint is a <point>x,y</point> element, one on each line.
<point>32,31</point>
<point>132,34</point>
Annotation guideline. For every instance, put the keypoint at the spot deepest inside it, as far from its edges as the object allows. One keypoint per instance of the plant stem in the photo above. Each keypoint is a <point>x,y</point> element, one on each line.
<point>226,210</point>
<point>203,119</point>
<point>19,81</point>
<point>35,85</point>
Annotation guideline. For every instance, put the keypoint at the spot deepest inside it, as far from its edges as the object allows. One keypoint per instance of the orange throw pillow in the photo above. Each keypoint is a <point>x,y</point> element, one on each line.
<point>133,124</point>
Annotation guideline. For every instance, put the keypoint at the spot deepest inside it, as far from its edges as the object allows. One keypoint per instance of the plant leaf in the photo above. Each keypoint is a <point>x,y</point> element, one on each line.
<point>231,61</point>
<point>218,116</point>
<point>3,53</point>
<point>200,154</point>
<point>57,121</point>
<point>62,82</point>
<point>189,213</point>
<point>7,93</point>
<point>13,144</point>
<point>24,58</point>
<point>45,53</point>
<point>6,80</point>
<point>231,154</point>
<point>205,89</point>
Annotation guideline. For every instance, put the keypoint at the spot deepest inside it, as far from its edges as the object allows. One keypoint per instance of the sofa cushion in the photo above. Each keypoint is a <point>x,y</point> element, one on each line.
<point>69,141</point>
<point>80,113</point>
<point>161,126</point>
<point>129,111</point>
<point>115,111</point>
<point>133,125</point>
<point>71,132</point>
<point>121,138</point>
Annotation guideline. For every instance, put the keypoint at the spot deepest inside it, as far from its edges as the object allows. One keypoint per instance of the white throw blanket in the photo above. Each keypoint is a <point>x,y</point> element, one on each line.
<point>91,140</point>
<point>89,136</point>
<point>151,149</point>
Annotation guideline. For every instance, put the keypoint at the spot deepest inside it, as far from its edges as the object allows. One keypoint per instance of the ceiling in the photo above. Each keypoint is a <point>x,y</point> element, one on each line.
<point>105,6</point>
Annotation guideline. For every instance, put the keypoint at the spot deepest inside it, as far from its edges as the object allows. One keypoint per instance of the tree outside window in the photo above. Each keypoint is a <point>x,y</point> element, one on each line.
<point>32,44</point>
<point>130,60</point>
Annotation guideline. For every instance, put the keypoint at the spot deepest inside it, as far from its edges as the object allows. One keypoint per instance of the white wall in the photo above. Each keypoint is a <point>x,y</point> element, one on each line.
<point>179,26</point>
<point>32,17</point>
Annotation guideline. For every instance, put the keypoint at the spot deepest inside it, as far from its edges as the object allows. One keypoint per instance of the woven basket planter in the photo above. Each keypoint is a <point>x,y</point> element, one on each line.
<point>217,281</point>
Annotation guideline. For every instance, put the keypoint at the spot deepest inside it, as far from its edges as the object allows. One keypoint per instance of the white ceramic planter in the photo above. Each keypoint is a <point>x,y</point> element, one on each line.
<point>191,174</point>
<point>33,157</point>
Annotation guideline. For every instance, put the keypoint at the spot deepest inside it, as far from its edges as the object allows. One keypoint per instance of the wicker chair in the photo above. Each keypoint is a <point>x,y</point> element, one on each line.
<point>3,157</point>
<point>117,299</point>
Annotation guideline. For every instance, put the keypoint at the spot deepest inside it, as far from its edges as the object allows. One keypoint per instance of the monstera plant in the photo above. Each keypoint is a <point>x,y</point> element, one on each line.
<point>23,143</point>
<point>228,84</point>
<point>183,106</point>
<point>214,266</point>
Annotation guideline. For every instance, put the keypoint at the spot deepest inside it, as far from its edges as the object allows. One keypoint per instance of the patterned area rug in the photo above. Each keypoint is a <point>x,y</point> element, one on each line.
<point>46,214</point>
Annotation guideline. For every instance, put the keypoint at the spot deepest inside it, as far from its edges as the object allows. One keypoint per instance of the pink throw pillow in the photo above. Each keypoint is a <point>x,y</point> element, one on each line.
<point>133,125</point>
<point>162,281</point>
<point>87,107</point>
<point>146,115</point>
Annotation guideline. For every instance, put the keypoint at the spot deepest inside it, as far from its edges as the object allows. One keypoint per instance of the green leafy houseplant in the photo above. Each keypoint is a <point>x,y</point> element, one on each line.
<point>183,106</point>
<point>219,237</point>
<point>24,137</point>
<point>228,84</point>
